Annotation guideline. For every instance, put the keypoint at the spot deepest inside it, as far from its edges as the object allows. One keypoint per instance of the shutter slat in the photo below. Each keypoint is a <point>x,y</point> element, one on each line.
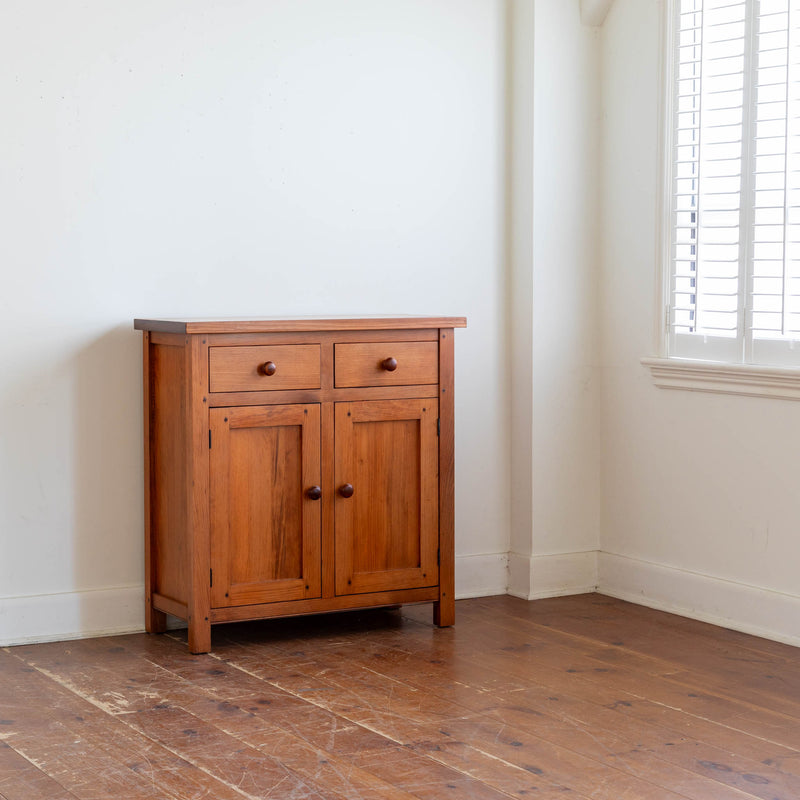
<point>714,106</point>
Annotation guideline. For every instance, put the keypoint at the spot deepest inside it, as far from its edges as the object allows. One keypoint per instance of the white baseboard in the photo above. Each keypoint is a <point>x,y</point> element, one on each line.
<point>71,615</point>
<point>749,609</point>
<point>105,612</point>
<point>481,576</point>
<point>535,577</point>
<point>520,575</point>
<point>774,615</point>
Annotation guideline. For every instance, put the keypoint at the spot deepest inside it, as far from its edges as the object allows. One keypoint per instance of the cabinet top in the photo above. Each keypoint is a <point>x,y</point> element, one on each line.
<point>284,325</point>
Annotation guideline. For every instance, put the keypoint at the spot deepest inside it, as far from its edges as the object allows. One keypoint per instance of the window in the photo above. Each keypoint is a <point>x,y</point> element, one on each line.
<point>734,188</point>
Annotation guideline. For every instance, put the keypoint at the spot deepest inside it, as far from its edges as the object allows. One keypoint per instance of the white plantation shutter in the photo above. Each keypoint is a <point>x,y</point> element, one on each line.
<point>735,188</point>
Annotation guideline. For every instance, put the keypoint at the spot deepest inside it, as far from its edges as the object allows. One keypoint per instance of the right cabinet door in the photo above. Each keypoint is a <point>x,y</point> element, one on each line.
<point>387,495</point>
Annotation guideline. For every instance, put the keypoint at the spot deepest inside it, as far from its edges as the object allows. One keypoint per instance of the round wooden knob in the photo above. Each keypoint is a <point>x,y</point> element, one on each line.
<point>346,490</point>
<point>389,364</point>
<point>313,493</point>
<point>270,368</point>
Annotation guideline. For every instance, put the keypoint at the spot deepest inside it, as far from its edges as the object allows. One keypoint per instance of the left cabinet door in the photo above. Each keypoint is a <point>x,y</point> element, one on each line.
<point>265,504</point>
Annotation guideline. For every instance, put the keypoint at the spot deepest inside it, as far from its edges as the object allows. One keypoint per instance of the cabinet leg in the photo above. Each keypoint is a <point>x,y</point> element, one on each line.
<point>199,636</point>
<point>444,611</point>
<point>154,621</point>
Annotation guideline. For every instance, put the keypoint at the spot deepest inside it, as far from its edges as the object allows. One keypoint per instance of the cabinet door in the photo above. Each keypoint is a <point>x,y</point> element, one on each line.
<point>265,524</point>
<point>387,528</point>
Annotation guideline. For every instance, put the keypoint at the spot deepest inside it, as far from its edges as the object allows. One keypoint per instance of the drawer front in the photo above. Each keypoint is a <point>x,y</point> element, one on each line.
<point>264,368</point>
<point>386,364</point>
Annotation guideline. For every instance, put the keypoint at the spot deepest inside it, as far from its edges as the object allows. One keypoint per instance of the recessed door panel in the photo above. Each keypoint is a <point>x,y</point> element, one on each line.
<point>386,502</point>
<point>265,522</point>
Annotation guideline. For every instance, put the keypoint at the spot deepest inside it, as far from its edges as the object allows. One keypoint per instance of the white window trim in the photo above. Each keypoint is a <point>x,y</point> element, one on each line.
<point>741,379</point>
<point>749,380</point>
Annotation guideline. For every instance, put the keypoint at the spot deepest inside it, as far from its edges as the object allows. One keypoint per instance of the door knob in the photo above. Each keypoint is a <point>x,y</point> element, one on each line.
<point>313,493</point>
<point>346,490</point>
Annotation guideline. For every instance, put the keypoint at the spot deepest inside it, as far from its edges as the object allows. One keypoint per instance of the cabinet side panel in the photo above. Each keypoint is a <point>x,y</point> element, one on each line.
<point>169,529</point>
<point>155,621</point>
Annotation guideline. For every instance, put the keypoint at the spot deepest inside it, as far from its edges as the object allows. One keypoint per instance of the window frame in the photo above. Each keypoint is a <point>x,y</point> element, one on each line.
<point>694,373</point>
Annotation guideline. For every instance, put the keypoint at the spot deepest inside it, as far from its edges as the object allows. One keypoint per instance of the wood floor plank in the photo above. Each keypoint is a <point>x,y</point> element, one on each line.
<point>407,714</point>
<point>563,767</point>
<point>608,611</point>
<point>566,720</point>
<point>573,701</point>
<point>341,672</point>
<point>734,735</point>
<point>201,686</point>
<point>695,694</point>
<point>86,750</point>
<point>752,776</point>
<point>730,775</point>
<point>332,770</point>
<point>317,765</point>
<point>583,697</point>
<point>513,779</point>
<point>201,743</point>
<point>20,779</point>
<point>359,741</point>
<point>428,779</point>
<point>200,703</point>
<point>769,680</point>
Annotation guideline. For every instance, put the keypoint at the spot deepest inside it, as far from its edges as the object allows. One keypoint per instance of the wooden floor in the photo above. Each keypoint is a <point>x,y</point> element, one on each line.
<point>578,697</point>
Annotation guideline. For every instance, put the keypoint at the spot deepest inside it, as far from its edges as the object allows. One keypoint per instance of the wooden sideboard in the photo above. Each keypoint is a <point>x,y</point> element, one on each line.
<point>295,466</point>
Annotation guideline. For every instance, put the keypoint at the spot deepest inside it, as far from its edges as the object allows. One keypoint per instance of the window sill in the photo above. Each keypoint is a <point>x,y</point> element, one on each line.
<point>741,379</point>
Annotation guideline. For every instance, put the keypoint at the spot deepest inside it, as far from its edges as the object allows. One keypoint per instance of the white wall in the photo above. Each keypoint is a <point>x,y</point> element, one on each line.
<point>202,157</point>
<point>701,507</point>
<point>210,158</point>
<point>555,271</point>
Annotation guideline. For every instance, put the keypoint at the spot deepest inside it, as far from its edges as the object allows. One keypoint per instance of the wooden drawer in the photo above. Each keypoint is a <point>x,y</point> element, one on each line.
<point>262,368</point>
<point>386,364</point>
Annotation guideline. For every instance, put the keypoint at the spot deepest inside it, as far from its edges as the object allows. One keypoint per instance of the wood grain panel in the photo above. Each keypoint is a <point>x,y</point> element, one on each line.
<point>76,744</point>
<point>388,444</point>
<point>387,532</point>
<point>222,399</point>
<point>321,337</point>
<point>328,491</point>
<point>266,481</point>
<point>281,325</point>
<point>155,620</point>
<point>240,369</point>
<point>315,606</point>
<point>21,779</point>
<point>169,606</point>
<point>362,364</point>
<point>167,480</point>
<point>444,608</point>
<point>253,773</point>
<point>197,492</point>
<point>167,339</point>
<point>265,530</point>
